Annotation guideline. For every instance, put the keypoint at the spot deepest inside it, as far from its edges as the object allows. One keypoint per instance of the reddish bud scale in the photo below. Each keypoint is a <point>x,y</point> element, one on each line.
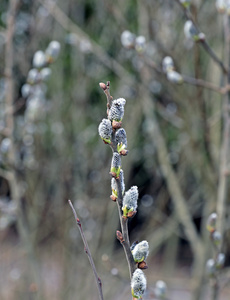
<point>142,265</point>
<point>120,236</point>
<point>103,86</point>
<point>112,197</point>
<point>116,125</point>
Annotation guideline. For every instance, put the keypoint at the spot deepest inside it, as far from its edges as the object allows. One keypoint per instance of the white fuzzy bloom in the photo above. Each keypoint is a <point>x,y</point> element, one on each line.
<point>167,64</point>
<point>141,251</point>
<point>221,6</point>
<point>116,111</point>
<point>45,73</point>
<point>210,267</point>
<point>120,137</point>
<point>26,90</point>
<point>130,198</point>
<point>105,129</point>
<point>52,51</point>
<point>35,109</point>
<point>211,222</point>
<point>160,289</point>
<point>140,43</point>
<point>116,161</point>
<point>114,185</point>
<point>33,76</point>
<point>190,30</point>
<point>138,283</point>
<point>217,237</point>
<point>5,145</point>
<point>127,39</point>
<point>174,77</point>
<point>220,260</point>
<point>39,59</point>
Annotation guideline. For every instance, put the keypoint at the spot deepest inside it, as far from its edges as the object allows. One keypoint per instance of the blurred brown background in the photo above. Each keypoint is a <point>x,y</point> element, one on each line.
<point>174,132</point>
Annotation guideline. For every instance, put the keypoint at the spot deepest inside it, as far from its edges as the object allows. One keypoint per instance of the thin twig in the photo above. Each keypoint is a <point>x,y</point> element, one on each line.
<point>87,250</point>
<point>188,79</point>
<point>105,88</point>
<point>124,228</point>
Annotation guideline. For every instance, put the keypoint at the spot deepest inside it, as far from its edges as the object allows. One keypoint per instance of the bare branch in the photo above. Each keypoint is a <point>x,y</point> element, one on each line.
<point>87,250</point>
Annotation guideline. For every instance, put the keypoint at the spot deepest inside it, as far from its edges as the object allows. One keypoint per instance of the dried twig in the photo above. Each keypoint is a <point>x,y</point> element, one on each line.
<point>87,251</point>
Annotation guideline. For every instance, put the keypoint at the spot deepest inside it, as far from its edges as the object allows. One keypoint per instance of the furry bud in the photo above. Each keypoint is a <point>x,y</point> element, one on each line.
<point>220,260</point>
<point>121,141</point>
<point>167,64</point>
<point>39,59</point>
<point>130,202</point>
<point>174,77</point>
<point>160,289</point>
<point>115,165</point>
<point>138,284</point>
<point>211,222</point>
<point>216,237</point>
<point>211,267</point>
<point>105,130</point>
<point>52,51</point>
<point>114,185</point>
<point>45,73</point>
<point>140,44</point>
<point>140,251</point>
<point>26,90</point>
<point>128,39</point>
<point>33,76</point>
<point>190,31</point>
<point>116,111</point>
<point>221,6</point>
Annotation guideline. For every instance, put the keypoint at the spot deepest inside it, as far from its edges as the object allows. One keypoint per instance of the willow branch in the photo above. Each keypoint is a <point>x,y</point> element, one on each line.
<point>124,227</point>
<point>87,250</point>
<point>204,43</point>
<point>189,80</point>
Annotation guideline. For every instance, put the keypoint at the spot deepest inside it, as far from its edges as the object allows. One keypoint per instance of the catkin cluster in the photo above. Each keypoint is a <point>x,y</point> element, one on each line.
<point>112,133</point>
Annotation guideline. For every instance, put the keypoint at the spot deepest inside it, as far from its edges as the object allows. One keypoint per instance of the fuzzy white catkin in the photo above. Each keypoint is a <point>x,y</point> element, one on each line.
<point>33,76</point>
<point>189,30</point>
<point>130,198</point>
<point>116,161</point>
<point>140,43</point>
<point>220,260</point>
<point>105,129</point>
<point>45,73</point>
<point>221,6</point>
<point>114,185</point>
<point>39,59</point>
<point>210,267</point>
<point>141,251</point>
<point>174,77</point>
<point>53,50</point>
<point>167,64</point>
<point>120,137</point>
<point>127,39</point>
<point>160,289</point>
<point>116,111</point>
<point>138,283</point>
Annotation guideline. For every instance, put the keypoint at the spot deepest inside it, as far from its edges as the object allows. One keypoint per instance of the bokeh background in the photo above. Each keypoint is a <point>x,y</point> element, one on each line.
<point>174,132</point>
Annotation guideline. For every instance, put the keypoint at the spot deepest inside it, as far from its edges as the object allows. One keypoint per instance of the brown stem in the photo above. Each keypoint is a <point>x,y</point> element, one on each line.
<point>124,229</point>
<point>87,250</point>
